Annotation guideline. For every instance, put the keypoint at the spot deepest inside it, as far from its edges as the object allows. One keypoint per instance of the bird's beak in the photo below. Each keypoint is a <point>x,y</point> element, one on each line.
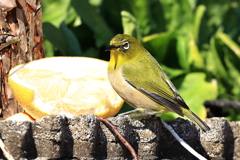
<point>112,47</point>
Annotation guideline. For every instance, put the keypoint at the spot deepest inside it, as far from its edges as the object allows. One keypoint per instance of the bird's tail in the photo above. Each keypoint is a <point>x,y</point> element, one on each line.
<point>196,120</point>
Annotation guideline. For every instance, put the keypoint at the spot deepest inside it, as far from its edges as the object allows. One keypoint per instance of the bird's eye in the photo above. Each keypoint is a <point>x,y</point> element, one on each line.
<point>126,45</point>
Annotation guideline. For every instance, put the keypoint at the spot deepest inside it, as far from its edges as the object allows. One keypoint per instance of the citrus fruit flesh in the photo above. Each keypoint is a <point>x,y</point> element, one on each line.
<point>22,116</point>
<point>64,85</point>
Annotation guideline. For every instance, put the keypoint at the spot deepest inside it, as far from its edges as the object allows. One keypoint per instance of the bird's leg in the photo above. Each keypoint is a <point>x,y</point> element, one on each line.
<point>128,112</point>
<point>139,115</point>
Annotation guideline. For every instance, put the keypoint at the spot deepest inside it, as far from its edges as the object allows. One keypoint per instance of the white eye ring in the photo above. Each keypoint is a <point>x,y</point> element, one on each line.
<point>126,45</point>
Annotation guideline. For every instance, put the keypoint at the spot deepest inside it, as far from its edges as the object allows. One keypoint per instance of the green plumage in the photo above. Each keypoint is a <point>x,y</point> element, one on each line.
<point>144,79</point>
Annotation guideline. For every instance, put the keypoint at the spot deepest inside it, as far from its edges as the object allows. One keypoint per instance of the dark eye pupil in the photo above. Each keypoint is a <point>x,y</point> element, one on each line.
<point>126,45</point>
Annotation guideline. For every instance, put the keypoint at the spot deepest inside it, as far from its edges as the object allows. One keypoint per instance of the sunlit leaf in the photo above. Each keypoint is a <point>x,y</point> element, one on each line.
<point>53,12</point>
<point>71,16</point>
<point>183,51</point>
<point>197,20</point>
<point>157,44</point>
<point>195,89</point>
<point>194,56</point>
<point>230,43</point>
<point>129,24</point>
<point>141,10</point>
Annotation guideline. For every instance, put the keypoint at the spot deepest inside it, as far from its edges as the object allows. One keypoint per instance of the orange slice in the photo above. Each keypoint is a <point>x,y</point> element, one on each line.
<point>64,85</point>
<point>20,117</point>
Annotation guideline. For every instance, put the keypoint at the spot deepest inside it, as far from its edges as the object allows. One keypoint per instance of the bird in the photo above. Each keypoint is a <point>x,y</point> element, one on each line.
<point>139,79</point>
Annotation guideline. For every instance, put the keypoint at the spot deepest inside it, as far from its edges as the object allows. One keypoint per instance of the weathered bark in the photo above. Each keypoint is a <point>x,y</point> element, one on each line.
<point>21,41</point>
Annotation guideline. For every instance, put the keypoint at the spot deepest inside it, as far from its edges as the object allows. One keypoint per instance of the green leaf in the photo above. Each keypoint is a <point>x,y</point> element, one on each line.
<point>195,89</point>
<point>62,38</point>
<point>141,10</point>
<point>183,51</point>
<point>129,24</point>
<point>53,12</point>
<point>72,17</point>
<point>197,20</point>
<point>49,49</point>
<point>72,45</point>
<point>173,73</point>
<point>217,67</point>
<point>157,44</point>
<point>92,18</point>
<point>188,53</point>
<point>178,14</point>
<point>234,75</point>
<point>230,43</point>
<point>194,56</point>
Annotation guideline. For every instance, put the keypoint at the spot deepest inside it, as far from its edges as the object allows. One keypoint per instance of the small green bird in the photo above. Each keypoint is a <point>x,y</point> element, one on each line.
<point>138,78</point>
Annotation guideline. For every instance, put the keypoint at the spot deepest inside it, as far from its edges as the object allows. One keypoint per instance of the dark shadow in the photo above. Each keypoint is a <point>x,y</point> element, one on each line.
<point>101,145</point>
<point>198,146</point>
<point>132,138</point>
<point>170,148</point>
<point>229,143</point>
<point>28,145</point>
<point>1,153</point>
<point>66,144</point>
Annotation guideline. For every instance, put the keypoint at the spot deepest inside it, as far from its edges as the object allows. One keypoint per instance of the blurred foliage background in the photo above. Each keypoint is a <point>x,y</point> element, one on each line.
<point>196,42</point>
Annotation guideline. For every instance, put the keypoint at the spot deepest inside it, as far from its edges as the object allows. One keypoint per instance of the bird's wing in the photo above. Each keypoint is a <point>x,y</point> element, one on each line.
<point>163,93</point>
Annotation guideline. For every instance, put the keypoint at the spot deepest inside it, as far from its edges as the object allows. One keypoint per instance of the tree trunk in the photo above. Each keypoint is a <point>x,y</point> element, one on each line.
<point>21,41</point>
